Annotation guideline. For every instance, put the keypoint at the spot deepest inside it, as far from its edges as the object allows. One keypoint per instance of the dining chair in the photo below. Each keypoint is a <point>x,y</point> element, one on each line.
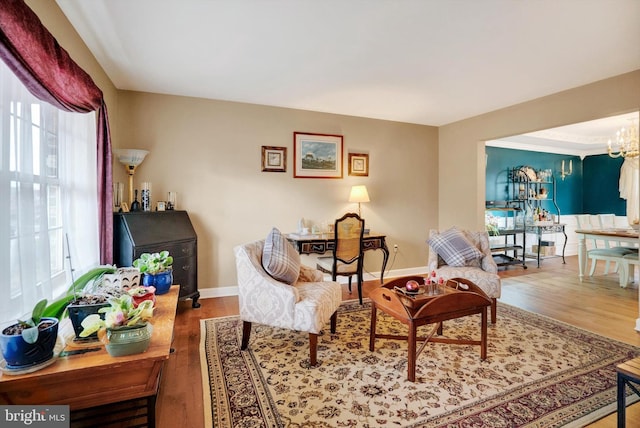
<point>348,251</point>
<point>605,254</point>
<point>608,221</point>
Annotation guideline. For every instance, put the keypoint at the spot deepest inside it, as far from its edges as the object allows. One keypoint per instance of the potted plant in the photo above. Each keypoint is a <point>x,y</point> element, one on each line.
<point>140,294</point>
<point>30,342</point>
<point>125,328</point>
<point>156,269</point>
<point>86,295</point>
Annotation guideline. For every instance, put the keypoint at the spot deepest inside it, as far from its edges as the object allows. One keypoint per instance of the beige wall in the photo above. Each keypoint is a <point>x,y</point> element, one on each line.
<point>209,152</point>
<point>462,143</point>
<point>420,177</point>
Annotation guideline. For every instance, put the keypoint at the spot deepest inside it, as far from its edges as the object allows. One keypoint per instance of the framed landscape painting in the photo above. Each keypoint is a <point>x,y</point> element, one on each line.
<point>317,155</point>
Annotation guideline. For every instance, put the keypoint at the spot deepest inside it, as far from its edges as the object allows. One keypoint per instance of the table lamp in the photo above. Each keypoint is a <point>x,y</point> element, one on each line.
<point>131,158</point>
<point>359,194</point>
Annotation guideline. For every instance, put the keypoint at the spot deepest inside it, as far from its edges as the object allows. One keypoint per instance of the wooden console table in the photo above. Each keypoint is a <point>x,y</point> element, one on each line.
<point>322,242</point>
<point>95,378</point>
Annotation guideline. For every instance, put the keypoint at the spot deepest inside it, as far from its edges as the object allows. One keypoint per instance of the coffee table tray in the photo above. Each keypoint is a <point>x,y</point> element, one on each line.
<point>415,300</point>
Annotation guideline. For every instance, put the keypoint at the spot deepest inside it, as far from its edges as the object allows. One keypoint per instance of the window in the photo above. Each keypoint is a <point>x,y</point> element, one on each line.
<point>48,190</point>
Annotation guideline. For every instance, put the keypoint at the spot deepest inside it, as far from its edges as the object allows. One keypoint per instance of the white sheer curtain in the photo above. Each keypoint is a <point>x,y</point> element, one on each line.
<point>629,190</point>
<point>47,190</point>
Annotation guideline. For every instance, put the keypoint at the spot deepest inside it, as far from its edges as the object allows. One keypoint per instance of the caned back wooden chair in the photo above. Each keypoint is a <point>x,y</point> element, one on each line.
<point>348,251</point>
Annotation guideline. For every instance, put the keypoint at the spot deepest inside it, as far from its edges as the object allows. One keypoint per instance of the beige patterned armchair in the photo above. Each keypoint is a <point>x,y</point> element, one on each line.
<point>306,305</point>
<point>482,272</point>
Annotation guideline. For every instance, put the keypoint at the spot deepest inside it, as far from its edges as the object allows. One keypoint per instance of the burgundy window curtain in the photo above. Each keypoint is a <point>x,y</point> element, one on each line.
<point>50,74</point>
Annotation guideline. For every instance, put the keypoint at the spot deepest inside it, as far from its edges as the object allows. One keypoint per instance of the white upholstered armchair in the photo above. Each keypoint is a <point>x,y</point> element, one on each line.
<point>307,305</point>
<point>482,271</point>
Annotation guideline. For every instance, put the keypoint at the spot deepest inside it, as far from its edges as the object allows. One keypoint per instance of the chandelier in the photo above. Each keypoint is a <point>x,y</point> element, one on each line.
<point>627,143</point>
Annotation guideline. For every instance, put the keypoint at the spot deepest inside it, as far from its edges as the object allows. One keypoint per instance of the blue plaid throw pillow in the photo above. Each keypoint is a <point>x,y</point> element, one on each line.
<point>454,248</point>
<point>280,259</point>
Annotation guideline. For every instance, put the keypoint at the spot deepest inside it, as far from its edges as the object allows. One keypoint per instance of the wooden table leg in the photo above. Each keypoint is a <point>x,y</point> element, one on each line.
<point>621,401</point>
<point>372,333</point>
<point>411,357</point>
<point>483,335</point>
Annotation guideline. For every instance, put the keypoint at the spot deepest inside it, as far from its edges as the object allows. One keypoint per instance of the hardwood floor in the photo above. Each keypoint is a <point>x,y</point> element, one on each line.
<point>598,304</point>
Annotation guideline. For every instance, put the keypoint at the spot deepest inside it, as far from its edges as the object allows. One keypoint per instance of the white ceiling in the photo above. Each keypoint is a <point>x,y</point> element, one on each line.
<point>428,62</point>
<point>579,139</point>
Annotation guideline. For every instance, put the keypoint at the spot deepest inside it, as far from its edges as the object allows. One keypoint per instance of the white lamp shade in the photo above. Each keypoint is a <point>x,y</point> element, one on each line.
<point>359,194</point>
<point>131,156</point>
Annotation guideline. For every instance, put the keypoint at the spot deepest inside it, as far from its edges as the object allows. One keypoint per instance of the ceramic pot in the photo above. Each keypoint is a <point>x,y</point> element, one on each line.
<point>18,354</point>
<point>77,314</point>
<point>128,340</point>
<point>150,295</point>
<point>161,281</point>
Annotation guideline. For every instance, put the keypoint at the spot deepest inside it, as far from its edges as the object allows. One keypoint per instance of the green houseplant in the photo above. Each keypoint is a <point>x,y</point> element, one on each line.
<point>31,341</point>
<point>156,269</point>
<point>85,296</point>
<point>125,328</point>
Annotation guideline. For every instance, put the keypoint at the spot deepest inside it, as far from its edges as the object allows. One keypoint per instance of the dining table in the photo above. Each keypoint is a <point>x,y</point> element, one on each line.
<point>615,235</point>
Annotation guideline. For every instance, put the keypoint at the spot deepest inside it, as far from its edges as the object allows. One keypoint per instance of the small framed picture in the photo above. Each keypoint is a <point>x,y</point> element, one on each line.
<point>359,164</point>
<point>124,207</point>
<point>317,155</point>
<point>274,159</point>
<point>161,206</point>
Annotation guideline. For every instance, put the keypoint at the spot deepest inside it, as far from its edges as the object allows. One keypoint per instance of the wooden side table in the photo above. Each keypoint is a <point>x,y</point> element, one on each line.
<point>449,304</point>
<point>628,375</point>
<point>92,379</point>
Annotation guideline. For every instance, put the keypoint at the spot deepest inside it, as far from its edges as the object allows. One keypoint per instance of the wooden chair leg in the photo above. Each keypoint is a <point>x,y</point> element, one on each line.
<point>334,322</point>
<point>349,284</point>
<point>313,349</point>
<point>494,310</point>
<point>246,332</point>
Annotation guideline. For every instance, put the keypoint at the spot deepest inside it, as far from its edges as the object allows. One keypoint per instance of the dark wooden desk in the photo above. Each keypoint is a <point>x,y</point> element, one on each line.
<point>95,378</point>
<point>322,242</point>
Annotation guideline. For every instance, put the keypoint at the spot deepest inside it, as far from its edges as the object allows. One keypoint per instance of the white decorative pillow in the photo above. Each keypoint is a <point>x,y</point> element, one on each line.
<point>454,248</point>
<point>280,259</point>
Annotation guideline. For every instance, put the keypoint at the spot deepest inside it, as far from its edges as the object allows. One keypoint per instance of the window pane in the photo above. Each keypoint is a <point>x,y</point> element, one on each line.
<point>48,168</point>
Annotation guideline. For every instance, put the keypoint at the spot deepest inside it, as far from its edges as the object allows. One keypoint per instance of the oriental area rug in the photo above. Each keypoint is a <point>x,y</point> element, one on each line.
<point>539,372</point>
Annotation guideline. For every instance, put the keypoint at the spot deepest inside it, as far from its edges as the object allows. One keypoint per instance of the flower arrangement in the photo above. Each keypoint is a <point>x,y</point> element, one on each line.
<point>120,314</point>
<point>491,224</point>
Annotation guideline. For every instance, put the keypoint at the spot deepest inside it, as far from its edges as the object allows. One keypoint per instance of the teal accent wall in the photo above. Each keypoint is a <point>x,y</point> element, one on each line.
<point>592,188</point>
<point>600,186</point>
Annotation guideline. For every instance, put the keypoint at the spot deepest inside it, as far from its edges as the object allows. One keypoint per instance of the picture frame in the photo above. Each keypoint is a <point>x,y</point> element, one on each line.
<point>359,164</point>
<point>317,155</point>
<point>274,159</point>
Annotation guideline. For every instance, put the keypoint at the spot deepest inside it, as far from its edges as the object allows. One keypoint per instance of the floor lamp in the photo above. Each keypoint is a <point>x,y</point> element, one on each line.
<point>131,158</point>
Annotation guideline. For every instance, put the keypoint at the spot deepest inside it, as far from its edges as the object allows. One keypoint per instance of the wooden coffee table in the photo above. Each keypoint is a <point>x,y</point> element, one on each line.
<point>458,298</point>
